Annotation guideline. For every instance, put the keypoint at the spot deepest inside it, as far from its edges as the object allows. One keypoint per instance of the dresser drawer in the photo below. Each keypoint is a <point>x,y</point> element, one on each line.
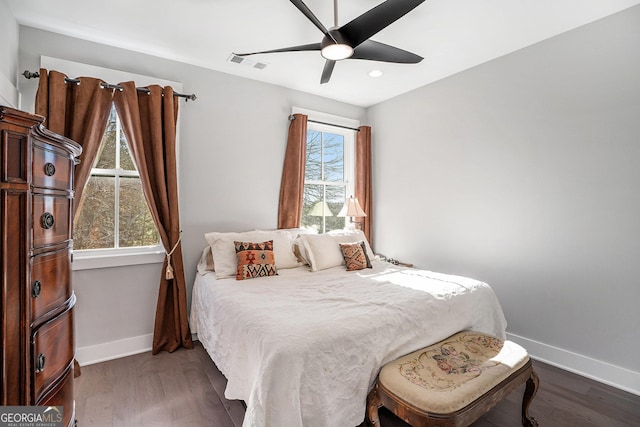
<point>14,147</point>
<point>51,219</point>
<point>62,395</point>
<point>53,351</point>
<point>51,169</point>
<point>50,282</point>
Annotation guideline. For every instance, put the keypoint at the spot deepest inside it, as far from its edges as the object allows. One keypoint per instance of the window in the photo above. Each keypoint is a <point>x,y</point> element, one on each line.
<point>328,177</point>
<point>113,215</point>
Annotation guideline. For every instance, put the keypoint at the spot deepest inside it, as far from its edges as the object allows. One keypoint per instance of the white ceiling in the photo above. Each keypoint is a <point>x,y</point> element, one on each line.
<point>452,35</point>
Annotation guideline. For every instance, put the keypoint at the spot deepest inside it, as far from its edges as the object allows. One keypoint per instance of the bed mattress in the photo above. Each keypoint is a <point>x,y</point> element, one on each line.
<point>304,348</point>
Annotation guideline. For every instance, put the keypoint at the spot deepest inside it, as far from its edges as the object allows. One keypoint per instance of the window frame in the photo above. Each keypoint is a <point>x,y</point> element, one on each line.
<point>117,256</point>
<point>103,258</point>
<point>348,182</point>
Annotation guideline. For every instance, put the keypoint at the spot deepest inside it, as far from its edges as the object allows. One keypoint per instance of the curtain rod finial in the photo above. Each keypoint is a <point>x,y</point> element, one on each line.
<point>29,75</point>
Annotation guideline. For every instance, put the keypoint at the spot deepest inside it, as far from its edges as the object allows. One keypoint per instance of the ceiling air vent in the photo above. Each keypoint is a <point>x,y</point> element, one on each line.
<point>246,62</point>
<point>235,58</point>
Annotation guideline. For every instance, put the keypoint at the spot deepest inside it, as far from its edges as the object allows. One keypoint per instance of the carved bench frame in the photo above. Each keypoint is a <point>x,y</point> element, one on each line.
<point>380,396</point>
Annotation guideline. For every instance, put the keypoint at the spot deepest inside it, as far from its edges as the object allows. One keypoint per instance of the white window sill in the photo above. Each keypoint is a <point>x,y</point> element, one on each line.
<point>88,261</point>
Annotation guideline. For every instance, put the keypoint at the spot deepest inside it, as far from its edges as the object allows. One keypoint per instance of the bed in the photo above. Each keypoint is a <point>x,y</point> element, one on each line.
<point>303,348</point>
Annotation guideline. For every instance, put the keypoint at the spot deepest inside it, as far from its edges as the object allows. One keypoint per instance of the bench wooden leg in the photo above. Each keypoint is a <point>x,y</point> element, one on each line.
<point>529,393</point>
<point>373,404</point>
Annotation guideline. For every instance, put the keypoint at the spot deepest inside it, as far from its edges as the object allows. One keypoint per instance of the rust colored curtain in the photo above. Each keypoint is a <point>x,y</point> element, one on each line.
<point>77,111</point>
<point>363,188</point>
<point>149,123</point>
<point>292,184</point>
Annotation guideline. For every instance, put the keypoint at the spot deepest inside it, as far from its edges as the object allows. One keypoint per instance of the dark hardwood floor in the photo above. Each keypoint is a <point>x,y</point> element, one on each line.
<point>186,389</point>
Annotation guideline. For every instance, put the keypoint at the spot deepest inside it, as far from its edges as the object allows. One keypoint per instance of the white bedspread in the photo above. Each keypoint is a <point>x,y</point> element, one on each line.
<point>304,349</point>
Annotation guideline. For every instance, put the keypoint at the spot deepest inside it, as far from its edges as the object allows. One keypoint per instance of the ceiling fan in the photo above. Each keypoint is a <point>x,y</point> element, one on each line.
<point>351,41</point>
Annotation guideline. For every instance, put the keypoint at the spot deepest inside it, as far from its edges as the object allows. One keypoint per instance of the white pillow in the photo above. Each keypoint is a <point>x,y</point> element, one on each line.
<point>296,245</point>
<point>300,251</point>
<point>224,251</point>
<point>295,232</point>
<point>323,250</point>
<point>205,264</point>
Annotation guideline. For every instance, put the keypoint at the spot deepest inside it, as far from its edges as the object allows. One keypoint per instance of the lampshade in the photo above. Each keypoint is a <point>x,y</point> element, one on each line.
<point>352,208</point>
<point>320,209</point>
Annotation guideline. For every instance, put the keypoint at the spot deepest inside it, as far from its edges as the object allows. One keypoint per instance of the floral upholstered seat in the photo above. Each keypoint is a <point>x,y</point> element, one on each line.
<point>453,380</point>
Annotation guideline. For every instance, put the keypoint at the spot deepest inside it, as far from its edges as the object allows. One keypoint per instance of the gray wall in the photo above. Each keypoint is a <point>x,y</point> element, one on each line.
<point>8,55</point>
<point>232,142</point>
<point>523,172</point>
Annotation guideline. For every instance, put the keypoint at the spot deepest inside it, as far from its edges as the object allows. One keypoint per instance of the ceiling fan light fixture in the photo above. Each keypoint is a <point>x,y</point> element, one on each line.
<point>353,39</point>
<point>336,51</point>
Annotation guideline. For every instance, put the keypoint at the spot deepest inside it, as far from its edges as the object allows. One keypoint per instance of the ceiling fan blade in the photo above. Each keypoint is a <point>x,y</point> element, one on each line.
<point>371,22</point>
<point>376,51</point>
<point>326,72</point>
<point>304,47</point>
<point>307,12</point>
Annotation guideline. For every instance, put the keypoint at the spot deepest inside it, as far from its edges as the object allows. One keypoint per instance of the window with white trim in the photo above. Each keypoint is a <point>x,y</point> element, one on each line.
<point>112,215</point>
<point>329,172</point>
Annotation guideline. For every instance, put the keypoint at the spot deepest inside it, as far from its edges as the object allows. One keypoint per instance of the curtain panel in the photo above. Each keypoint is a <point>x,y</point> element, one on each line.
<point>80,112</point>
<point>363,182</point>
<point>77,111</point>
<point>292,184</point>
<point>149,123</point>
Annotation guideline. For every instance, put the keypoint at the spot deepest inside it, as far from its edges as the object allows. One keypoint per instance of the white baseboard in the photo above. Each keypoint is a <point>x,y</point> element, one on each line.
<point>113,350</point>
<point>615,376</point>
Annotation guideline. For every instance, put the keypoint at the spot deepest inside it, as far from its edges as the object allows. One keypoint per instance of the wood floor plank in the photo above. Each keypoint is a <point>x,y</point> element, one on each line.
<point>623,402</point>
<point>206,399</point>
<point>98,406</point>
<point>97,409</point>
<point>185,388</point>
<point>125,392</point>
<point>154,406</point>
<point>234,408</point>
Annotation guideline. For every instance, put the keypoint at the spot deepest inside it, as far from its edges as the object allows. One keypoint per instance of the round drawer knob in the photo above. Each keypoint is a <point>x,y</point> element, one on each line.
<point>40,360</point>
<point>49,169</point>
<point>47,220</point>
<point>36,288</point>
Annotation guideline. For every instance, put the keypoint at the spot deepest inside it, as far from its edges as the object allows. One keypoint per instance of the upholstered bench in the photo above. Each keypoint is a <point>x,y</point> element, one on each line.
<point>453,382</point>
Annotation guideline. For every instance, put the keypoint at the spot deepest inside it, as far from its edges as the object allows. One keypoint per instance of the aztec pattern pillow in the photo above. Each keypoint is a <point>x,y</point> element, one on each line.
<point>224,253</point>
<point>355,255</point>
<point>255,260</point>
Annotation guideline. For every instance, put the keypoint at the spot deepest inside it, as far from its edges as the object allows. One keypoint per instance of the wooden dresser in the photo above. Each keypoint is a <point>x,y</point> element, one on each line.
<point>36,297</point>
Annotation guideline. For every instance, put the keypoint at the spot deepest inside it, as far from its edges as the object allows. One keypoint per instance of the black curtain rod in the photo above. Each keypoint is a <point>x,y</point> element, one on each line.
<point>29,75</point>
<point>292,117</point>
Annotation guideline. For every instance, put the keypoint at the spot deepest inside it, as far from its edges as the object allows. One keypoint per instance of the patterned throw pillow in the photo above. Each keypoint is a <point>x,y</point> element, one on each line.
<point>255,260</point>
<point>355,255</point>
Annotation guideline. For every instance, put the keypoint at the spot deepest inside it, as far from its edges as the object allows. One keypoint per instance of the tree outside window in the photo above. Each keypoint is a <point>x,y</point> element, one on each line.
<point>113,212</point>
<point>325,181</point>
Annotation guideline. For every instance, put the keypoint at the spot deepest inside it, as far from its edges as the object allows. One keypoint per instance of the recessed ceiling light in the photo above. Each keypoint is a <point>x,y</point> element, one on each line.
<point>375,73</point>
